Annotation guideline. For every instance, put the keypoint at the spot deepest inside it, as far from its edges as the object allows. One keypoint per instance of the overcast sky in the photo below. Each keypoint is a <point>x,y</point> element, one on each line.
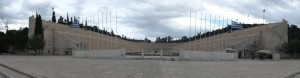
<point>152,18</point>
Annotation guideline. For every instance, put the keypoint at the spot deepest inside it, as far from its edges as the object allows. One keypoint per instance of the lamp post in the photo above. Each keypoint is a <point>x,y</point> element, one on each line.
<point>264,10</point>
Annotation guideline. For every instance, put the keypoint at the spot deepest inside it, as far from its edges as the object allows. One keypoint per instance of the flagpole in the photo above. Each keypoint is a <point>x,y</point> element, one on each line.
<point>205,31</point>
<point>209,32</point>
<point>264,16</point>
<point>87,37</point>
<point>223,31</point>
<point>91,30</point>
<point>94,32</point>
<point>83,32</point>
<point>116,31</point>
<point>219,33</point>
<point>90,33</point>
<point>248,19</point>
<point>195,31</point>
<point>214,29</point>
<point>110,30</point>
<point>79,35</point>
<point>190,31</point>
<point>98,27</point>
<point>102,33</point>
<point>81,41</point>
<point>93,47</point>
<point>86,46</point>
<point>230,34</point>
<point>200,32</point>
<point>106,32</point>
<point>227,32</point>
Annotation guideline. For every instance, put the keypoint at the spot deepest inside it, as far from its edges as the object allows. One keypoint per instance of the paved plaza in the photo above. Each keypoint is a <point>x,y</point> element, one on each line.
<point>69,67</point>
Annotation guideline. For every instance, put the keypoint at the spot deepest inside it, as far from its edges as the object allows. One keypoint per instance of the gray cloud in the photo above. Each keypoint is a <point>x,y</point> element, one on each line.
<point>152,18</point>
<point>155,21</point>
<point>15,14</point>
<point>8,14</point>
<point>275,9</point>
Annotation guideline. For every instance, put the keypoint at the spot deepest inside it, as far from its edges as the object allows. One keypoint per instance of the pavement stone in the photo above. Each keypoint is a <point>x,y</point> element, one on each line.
<point>69,67</point>
<point>1,76</point>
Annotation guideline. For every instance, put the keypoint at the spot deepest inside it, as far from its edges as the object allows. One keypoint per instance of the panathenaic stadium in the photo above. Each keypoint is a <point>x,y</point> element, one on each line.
<point>63,40</point>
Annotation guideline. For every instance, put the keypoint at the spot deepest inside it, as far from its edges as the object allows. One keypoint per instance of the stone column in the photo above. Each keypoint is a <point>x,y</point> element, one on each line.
<point>275,56</point>
<point>236,54</point>
<point>161,53</point>
<point>143,53</point>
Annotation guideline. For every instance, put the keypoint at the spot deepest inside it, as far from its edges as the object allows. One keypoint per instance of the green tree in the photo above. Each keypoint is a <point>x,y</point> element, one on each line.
<point>53,17</point>
<point>37,41</point>
<point>294,47</point>
<point>17,39</point>
<point>3,44</point>
<point>74,20</point>
<point>112,33</point>
<point>158,40</point>
<point>184,39</point>
<point>60,20</point>
<point>37,44</point>
<point>11,39</point>
<point>23,38</point>
<point>293,32</point>
<point>146,40</point>
<point>169,39</point>
<point>71,20</point>
<point>38,30</point>
<point>85,23</point>
<point>67,19</point>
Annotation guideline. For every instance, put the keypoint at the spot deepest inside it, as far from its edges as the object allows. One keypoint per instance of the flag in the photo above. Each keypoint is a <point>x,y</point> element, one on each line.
<point>236,26</point>
<point>74,25</point>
